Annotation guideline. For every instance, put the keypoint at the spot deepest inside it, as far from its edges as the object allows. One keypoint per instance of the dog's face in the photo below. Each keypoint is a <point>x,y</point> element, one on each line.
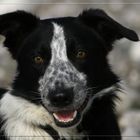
<point>62,62</point>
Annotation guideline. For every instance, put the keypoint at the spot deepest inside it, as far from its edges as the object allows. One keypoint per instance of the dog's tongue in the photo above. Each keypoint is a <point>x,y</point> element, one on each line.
<point>65,116</point>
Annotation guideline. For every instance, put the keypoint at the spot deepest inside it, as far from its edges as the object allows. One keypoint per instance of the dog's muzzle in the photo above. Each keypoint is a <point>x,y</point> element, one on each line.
<point>66,105</point>
<point>63,93</point>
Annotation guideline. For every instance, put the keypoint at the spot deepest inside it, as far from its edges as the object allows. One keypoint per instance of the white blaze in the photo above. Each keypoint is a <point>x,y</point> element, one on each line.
<point>58,44</point>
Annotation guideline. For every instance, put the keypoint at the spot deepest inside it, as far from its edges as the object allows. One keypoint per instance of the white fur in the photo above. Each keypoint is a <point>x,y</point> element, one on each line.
<point>22,118</point>
<point>58,44</point>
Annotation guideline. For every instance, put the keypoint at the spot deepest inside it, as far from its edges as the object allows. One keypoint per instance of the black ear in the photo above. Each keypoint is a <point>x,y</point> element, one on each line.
<point>107,28</point>
<point>15,27</point>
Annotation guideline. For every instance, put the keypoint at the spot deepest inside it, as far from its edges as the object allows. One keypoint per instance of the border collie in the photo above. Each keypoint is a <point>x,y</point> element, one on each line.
<point>64,87</point>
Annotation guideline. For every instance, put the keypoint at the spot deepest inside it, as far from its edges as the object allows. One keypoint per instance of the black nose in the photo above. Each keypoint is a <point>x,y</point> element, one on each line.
<point>61,97</point>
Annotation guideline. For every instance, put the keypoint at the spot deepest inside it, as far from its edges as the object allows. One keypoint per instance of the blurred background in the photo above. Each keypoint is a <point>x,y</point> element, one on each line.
<point>125,58</point>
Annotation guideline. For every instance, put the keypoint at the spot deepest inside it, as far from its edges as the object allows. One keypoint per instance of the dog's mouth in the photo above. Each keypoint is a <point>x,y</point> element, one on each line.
<point>69,118</point>
<point>66,116</point>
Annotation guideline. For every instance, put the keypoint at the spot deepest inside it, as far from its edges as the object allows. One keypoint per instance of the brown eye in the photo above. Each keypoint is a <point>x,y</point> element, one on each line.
<point>81,54</point>
<point>38,60</point>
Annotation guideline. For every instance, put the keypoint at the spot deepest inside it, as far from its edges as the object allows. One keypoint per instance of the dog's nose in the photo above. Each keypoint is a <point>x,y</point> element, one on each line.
<point>61,98</point>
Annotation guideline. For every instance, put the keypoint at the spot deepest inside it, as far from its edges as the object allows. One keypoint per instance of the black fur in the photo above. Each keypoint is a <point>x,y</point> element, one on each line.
<point>93,31</point>
<point>51,131</point>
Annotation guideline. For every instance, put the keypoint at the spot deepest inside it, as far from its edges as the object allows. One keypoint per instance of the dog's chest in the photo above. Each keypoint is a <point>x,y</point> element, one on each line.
<point>23,121</point>
<point>21,131</point>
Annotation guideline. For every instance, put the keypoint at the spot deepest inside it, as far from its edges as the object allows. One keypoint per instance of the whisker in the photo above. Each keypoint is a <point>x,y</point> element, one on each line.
<point>90,88</point>
<point>35,99</point>
<point>34,92</point>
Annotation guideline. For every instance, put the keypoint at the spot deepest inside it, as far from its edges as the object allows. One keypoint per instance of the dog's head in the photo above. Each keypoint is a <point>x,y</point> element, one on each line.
<point>62,62</point>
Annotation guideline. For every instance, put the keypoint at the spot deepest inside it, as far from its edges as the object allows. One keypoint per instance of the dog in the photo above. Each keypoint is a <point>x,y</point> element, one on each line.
<point>64,87</point>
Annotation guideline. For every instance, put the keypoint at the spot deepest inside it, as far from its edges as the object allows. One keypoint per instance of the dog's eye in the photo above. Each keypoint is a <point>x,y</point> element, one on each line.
<point>38,60</point>
<point>81,54</point>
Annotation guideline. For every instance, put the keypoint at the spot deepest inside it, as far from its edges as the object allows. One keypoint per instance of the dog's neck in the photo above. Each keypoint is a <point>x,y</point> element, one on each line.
<point>23,118</point>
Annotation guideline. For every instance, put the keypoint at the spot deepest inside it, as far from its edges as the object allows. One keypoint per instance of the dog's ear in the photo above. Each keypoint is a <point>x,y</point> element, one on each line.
<point>107,28</point>
<point>15,27</point>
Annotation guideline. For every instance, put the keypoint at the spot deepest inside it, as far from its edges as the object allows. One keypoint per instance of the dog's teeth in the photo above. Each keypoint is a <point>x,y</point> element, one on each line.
<point>75,114</point>
<point>67,120</point>
<point>55,116</point>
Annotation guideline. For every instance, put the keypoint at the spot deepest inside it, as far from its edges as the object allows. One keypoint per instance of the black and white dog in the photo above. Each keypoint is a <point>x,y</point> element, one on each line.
<point>64,87</point>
